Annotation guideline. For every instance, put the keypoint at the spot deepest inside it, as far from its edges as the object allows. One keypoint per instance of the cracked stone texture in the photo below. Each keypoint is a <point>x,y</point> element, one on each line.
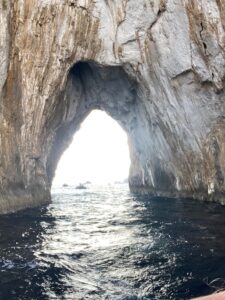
<point>157,67</point>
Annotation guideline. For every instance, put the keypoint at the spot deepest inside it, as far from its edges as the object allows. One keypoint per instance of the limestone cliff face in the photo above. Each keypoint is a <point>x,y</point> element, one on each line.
<point>156,66</point>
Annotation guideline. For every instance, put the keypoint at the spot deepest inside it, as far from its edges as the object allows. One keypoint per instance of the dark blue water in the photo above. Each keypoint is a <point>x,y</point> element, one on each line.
<point>105,243</point>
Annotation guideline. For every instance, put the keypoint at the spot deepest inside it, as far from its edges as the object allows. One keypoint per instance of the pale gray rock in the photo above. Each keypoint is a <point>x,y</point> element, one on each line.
<point>4,42</point>
<point>157,67</point>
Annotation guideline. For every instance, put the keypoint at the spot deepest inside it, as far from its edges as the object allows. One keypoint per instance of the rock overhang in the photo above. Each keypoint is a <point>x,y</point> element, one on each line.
<point>156,67</point>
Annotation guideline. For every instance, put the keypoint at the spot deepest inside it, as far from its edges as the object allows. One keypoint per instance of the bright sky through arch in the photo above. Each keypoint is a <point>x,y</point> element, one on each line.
<point>99,153</point>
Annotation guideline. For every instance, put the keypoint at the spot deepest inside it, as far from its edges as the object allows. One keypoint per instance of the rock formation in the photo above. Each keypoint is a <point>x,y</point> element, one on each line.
<point>156,66</point>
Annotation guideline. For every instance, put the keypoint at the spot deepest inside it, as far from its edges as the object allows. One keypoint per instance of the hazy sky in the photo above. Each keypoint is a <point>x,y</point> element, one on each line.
<point>99,153</point>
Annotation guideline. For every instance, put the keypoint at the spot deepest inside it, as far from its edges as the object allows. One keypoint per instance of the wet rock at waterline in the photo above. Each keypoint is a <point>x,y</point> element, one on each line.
<point>157,67</point>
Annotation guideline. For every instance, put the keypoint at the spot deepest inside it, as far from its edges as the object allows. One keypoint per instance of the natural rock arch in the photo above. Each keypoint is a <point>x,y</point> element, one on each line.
<point>92,86</point>
<point>157,67</point>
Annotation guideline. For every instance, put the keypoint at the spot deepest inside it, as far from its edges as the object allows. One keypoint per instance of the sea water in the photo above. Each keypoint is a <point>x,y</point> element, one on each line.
<point>107,243</point>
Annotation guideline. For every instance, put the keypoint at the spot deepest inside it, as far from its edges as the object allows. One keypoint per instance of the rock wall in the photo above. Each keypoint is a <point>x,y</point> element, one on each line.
<point>156,66</point>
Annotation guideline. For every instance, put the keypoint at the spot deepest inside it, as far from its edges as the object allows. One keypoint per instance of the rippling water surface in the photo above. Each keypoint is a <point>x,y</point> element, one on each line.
<point>106,243</point>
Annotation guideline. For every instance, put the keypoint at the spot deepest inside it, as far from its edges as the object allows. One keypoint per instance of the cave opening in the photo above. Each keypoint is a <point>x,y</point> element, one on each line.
<point>98,154</point>
<point>92,88</point>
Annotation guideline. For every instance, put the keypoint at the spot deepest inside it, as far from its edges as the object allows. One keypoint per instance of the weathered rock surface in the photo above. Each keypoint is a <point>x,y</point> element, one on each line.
<point>156,66</point>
